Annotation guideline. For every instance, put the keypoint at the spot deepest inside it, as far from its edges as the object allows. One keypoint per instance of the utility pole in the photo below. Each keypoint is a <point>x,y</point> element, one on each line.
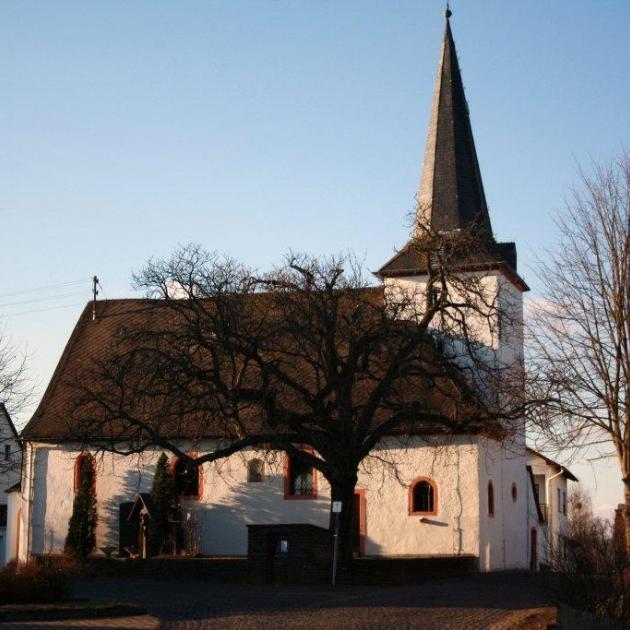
<point>94,294</point>
<point>336,509</point>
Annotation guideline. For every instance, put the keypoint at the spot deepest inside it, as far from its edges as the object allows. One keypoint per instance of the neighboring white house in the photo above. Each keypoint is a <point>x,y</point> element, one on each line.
<point>468,494</point>
<point>10,465</point>
<point>549,518</point>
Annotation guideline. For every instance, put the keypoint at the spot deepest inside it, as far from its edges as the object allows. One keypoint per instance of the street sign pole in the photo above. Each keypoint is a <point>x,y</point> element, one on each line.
<point>336,508</point>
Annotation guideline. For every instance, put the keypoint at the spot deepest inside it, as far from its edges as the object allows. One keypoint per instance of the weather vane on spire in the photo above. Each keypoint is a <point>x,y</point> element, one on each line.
<point>448,11</point>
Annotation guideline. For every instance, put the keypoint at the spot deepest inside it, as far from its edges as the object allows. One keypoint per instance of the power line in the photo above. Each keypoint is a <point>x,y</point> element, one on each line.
<point>46,288</point>
<point>43,299</point>
<point>42,310</point>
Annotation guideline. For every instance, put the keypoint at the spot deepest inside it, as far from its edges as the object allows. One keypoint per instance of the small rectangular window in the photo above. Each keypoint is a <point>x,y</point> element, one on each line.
<point>7,451</point>
<point>559,500</point>
<point>300,479</point>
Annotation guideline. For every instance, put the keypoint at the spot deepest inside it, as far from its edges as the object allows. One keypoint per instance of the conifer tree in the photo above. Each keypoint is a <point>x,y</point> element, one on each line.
<point>81,538</point>
<point>164,499</point>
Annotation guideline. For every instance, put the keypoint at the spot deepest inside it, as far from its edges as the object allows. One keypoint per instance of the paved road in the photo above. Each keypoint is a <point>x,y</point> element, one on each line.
<point>477,602</point>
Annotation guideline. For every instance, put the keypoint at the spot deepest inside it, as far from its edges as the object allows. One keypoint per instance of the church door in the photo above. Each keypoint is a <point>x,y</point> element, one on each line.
<point>358,523</point>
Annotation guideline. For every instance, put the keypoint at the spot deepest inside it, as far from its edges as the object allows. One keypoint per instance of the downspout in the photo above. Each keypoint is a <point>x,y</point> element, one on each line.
<point>29,505</point>
<point>528,536</point>
<point>503,506</point>
<point>550,510</point>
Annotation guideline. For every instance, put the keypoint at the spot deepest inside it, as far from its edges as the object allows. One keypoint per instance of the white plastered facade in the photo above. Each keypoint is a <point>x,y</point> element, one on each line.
<point>460,469</point>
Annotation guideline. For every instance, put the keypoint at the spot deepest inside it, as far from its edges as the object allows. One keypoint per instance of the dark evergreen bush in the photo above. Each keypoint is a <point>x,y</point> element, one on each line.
<point>81,538</point>
<point>165,510</point>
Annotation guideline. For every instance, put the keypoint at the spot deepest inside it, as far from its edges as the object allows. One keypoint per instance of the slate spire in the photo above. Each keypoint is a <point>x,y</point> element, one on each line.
<point>451,193</point>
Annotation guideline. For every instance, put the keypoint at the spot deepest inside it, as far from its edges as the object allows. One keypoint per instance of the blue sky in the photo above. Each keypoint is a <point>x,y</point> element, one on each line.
<point>254,127</point>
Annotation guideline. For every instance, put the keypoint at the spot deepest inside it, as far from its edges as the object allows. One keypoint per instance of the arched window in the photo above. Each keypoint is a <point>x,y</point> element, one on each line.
<point>514,493</point>
<point>188,480</point>
<point>255,471</point>
<point>423,497</point>
<point>490,499</point>
<point>300,479</point>
<point>84,469</point>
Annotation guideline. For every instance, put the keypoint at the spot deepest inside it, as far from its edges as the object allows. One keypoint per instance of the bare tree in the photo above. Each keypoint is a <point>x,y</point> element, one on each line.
<point>591,571</point>
<point>580,329</point>
<point>15,392</point>
<point>307,359</point>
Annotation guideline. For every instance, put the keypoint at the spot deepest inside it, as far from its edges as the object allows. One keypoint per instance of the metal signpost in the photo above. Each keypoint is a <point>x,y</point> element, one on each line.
<point>336,509</point>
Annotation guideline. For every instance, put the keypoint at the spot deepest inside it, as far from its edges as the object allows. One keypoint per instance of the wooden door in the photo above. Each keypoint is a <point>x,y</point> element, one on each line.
<point>358,523</point>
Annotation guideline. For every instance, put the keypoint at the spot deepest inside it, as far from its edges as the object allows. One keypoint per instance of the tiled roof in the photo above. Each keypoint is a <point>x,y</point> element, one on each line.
<point>90,341</point>
<point>96,340</point>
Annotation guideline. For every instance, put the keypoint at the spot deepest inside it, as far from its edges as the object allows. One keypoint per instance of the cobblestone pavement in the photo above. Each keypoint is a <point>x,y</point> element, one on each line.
<point>481,601</point>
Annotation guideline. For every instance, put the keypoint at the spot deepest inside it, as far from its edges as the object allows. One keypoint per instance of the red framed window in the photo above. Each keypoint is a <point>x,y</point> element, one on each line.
<point>423,497</point>
<point>300,479</point>
<point>490,498</point>
<point>188,479</point>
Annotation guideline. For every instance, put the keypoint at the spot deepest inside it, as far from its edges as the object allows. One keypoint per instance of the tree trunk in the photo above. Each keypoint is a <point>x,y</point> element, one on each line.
<point>343,490</point>
<point>626,517</point>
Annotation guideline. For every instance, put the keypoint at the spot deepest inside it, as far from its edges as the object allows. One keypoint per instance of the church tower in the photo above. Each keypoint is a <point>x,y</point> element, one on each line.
<point>451,200</point>
<point>451,208</point>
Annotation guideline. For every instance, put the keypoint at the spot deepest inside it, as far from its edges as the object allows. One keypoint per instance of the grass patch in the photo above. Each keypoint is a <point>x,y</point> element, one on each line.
<point>68,609</point>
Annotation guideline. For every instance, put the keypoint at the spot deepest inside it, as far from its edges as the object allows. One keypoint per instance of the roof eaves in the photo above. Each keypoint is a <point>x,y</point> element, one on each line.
<point>561,468</point>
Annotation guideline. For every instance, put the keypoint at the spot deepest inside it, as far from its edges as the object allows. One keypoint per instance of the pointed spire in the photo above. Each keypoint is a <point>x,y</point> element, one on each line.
<point>451,191</point>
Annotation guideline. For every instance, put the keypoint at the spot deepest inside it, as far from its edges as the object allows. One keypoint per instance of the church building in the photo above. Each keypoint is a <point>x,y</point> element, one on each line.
<point>474,495</point>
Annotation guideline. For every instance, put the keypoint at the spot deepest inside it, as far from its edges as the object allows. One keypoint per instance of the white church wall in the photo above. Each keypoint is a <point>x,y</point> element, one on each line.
<point>452,465</point>
<point>515,510</point>
<point>414,288</point>
<point>229,502</point>
<point>503,535</point>
<point>509,334</point>
<point>14,525</point>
